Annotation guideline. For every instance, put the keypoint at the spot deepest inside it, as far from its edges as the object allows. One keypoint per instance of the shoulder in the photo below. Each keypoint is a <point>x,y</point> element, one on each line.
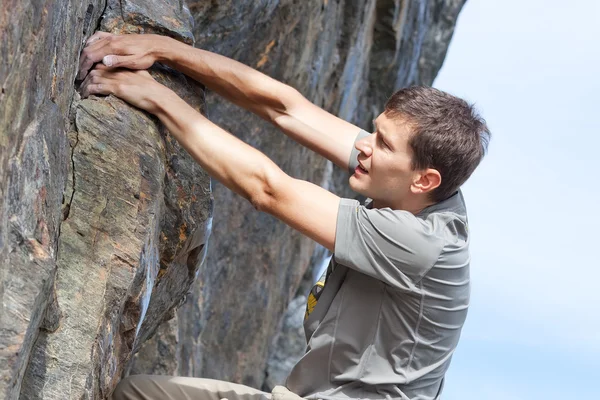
<point>448,218</point>
<point>383,236</point>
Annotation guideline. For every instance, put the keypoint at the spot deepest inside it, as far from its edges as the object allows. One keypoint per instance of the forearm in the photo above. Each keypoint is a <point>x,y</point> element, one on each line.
<point>274,101</point>
<point>229,160</point>
<point>231,79</point>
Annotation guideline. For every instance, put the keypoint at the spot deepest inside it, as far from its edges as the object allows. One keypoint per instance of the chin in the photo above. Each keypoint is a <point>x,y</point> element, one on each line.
<point>357,187</point>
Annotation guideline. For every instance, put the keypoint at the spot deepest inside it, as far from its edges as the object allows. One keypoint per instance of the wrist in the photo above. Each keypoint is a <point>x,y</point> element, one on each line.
<point>161,48</point>
<point>165,50</point>
<point>159,101</point>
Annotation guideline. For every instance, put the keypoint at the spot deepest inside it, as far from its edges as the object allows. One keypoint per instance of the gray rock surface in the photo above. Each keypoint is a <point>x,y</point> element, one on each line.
<point>39,48</point>
<point>104,218</point>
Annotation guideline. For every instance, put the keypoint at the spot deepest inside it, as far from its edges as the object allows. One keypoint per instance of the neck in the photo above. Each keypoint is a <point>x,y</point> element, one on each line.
<point>412,205</point>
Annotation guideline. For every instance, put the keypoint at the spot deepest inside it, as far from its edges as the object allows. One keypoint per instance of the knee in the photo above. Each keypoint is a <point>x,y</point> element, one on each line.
<point>130,388</point>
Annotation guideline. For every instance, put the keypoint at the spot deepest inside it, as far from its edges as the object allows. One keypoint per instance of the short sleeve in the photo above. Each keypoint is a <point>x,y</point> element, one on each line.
<point>353,162</point>
<point>393,246</point>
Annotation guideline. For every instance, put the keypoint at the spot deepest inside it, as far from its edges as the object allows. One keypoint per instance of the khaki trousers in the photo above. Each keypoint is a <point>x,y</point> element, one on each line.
<point>159,387</point>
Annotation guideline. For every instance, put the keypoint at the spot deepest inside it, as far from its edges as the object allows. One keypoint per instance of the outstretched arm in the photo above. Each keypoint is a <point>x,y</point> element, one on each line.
<point>304,206</point>
<point>272,100</point>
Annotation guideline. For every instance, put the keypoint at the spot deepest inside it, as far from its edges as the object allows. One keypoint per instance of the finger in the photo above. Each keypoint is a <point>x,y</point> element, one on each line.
<point>88,79</point>
<point>93,54</point>
<point>97,89</point>
<point>99,71</point>
<point>101,67</point>
<point>86,83</point>
<point>98,85</point>
<point>113,61</point>
<point>87,60</point>
<point>97,36</point>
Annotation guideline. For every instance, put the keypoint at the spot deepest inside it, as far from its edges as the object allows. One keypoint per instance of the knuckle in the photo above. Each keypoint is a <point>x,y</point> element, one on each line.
<point>108,61</point>
<point>114,43</point>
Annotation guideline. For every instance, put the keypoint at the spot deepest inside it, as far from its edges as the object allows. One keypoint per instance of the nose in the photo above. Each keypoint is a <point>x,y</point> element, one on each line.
<point>365,145</point>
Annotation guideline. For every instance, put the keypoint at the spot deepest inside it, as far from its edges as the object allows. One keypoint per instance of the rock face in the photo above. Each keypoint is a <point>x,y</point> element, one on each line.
<point>104,219</point>
<point>347,56</point>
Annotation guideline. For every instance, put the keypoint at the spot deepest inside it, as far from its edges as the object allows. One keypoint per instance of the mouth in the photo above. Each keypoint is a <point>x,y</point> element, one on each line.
<point>360,170</point>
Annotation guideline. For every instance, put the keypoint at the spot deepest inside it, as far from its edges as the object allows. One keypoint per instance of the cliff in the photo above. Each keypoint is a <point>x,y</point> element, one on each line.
<point>105,220</point>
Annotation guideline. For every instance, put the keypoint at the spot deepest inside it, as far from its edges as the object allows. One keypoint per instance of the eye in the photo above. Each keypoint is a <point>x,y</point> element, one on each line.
<point>383,143</point>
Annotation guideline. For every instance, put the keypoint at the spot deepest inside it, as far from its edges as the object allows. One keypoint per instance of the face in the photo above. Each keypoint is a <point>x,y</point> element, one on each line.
<point>384,173</point>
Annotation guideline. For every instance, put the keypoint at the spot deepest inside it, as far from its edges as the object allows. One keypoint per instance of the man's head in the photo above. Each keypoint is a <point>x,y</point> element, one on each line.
<point>425,145</point>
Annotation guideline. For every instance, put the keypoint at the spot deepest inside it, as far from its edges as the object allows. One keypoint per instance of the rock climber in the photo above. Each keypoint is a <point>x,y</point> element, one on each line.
<point>394,298</point>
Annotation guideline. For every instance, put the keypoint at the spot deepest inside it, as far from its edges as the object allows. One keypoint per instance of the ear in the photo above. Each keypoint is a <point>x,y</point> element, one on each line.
<point>426,181</point>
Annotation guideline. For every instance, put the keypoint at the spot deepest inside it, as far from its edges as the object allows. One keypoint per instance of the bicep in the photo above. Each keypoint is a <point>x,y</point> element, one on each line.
<point>317,129</point>
<point>304,206</point>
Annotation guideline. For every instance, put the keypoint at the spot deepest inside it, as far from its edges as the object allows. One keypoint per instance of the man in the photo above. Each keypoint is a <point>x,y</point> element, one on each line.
<point>389,316</point>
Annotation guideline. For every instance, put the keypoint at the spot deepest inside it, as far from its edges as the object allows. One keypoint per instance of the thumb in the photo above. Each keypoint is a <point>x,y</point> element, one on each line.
<point>120,61</point>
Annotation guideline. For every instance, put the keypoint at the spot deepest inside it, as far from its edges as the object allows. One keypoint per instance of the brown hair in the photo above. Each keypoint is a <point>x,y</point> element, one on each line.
<point>447,134</point>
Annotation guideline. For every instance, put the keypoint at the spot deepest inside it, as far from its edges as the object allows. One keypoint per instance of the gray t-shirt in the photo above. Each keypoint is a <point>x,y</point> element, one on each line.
<point>395,299</point>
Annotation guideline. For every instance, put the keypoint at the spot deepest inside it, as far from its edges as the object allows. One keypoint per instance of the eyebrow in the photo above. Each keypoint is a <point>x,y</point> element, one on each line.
<point>387,142</point>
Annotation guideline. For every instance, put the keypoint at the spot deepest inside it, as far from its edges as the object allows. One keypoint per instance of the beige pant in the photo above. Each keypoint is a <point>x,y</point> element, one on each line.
<point>158,387</point>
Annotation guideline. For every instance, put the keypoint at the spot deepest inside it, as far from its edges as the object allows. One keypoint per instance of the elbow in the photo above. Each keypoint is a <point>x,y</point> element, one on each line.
<point>284,102</point>
<point>262,201</point>
<point>259,203</point>
<point>264,197</point>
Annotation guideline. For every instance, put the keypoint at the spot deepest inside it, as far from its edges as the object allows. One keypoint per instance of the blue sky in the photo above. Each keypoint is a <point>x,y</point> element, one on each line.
<point>533,330</point>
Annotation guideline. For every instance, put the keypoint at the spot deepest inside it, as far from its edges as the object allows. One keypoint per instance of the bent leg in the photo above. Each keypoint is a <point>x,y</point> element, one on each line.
<point>158,387</point>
